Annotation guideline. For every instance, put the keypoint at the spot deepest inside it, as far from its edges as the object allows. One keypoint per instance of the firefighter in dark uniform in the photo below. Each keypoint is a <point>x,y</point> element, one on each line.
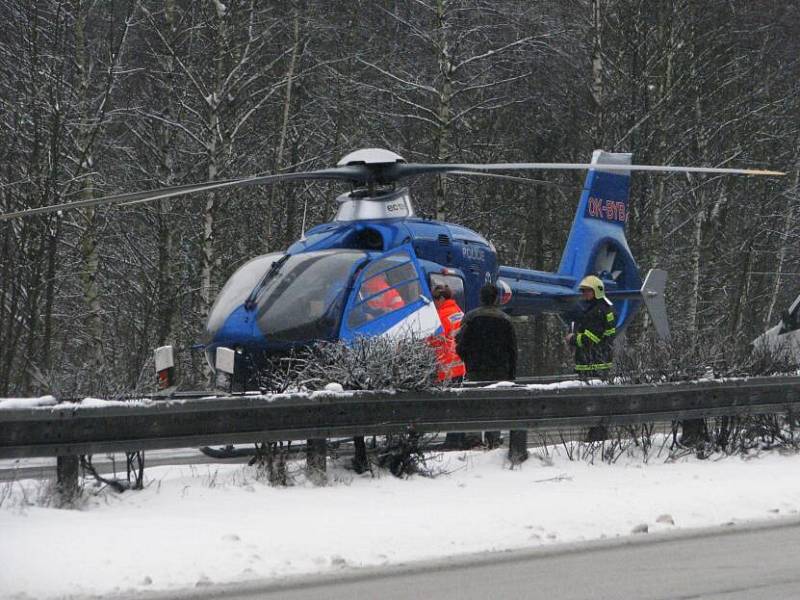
<point>594,333</point>
<point>593,339</point>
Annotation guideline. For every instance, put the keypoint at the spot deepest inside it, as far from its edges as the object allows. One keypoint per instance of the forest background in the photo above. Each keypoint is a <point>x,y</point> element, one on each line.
<point>110,96</point>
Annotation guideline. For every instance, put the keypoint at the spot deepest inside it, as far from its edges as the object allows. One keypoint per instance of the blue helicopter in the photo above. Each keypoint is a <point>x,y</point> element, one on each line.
<point>370,271</point>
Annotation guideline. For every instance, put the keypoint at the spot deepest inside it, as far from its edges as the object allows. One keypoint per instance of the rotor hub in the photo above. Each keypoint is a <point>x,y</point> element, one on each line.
<point>370,157</point>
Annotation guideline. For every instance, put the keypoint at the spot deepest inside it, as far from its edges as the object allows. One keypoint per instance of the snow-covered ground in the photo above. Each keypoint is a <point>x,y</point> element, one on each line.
<point>211,524</point>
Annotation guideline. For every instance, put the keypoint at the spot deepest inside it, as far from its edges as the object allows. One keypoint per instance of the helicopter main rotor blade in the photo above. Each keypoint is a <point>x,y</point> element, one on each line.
<point>514,178</point>
<point>355,173</point>
<point>371,173</point>
<point>410,169</point>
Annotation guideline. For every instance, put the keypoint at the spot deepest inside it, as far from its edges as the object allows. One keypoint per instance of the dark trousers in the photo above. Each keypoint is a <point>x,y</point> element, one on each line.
<point>488,375</point>
<point>492,439</point>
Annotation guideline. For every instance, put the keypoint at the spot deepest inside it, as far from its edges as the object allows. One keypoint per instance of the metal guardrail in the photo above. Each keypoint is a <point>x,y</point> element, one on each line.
<point>68,430</point>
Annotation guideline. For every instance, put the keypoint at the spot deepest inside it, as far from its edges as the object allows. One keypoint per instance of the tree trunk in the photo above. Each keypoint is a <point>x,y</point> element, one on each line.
<point>89,254</point>
<point>52,248</point>
<point>597,73</point>
<point>693,291</point>
<point>700,141</point>
<point>743,295</point>
<point>668,41</point>
<point>445,93</point>
<point>285,120</point>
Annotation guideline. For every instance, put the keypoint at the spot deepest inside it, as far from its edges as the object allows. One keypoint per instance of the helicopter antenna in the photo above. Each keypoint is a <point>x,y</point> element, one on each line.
<point>305,208</point>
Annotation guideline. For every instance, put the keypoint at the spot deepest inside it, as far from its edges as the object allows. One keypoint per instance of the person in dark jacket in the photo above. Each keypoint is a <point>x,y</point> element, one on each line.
<point>593,336</point>
<point>487,344</point>
<point>593,339</point>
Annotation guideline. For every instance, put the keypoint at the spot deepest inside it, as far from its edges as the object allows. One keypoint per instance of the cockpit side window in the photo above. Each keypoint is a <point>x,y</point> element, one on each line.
<point>387,263</point>
<point>388,285</point>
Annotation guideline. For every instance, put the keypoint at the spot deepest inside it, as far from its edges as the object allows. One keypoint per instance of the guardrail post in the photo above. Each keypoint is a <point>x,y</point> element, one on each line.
<point>67,478</point>
<point>518,446</point>
<point>693,432</point>
<point>492,439</point>
<point>360,460</point>
<point>316,458</point>
<point>67,467</point>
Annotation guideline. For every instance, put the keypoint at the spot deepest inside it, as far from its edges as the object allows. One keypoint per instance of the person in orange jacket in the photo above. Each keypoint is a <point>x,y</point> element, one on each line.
<point>451,367</point>
<point>386,302</point>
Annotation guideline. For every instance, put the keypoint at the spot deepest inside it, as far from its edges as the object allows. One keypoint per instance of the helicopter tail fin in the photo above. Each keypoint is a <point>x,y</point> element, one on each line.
<point>596,244</point>
<point>653,290</point>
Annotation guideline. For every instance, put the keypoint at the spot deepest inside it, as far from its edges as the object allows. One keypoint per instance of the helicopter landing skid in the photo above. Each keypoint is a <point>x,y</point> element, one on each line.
<point>229,451</point>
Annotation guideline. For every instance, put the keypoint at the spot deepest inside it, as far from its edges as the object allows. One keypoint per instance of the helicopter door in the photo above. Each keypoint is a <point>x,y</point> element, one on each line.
<point>454,282</point>
<point>390,297</point>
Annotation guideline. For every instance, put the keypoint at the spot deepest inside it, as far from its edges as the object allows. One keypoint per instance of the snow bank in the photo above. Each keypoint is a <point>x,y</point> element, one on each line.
<point>100,403</point>
<point>22,403</point>
<point>200,525</point>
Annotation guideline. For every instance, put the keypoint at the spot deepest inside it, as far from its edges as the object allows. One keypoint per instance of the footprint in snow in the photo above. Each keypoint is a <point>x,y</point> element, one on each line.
<point>667,519</point>
<point>338,561</point>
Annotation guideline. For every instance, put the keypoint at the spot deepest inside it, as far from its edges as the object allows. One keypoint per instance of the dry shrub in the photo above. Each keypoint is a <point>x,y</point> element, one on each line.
<point>378,363</point>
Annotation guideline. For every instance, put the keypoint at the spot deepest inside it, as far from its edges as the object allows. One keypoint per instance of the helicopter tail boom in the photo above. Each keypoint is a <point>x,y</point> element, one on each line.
<point>596,244</point>
<point>602,214</point>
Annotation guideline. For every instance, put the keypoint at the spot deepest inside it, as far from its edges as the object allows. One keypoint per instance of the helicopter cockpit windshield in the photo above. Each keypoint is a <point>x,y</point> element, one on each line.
<point>304,300</point>
<point>294,298</point>
<point>280,301</point>
<point>236,291</point>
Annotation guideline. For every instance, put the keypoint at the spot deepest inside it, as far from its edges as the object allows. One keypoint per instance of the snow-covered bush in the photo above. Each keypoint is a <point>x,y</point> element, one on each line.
<point>744,436</point>
<point>407,454</point>
<point>41,493</point>
<point>270,463</point>
<point>764,360</point>
<point>377,363</point>
<point>750,434</point>
<point>646,359</point>
<point>406,363</point>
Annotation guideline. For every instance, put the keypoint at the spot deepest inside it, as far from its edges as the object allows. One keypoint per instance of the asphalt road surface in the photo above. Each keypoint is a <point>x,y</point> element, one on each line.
<point>730,563</point>
<point>44,468</point>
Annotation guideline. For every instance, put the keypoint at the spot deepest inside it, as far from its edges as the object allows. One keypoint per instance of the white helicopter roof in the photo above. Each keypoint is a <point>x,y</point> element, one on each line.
<point>393,205</point>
